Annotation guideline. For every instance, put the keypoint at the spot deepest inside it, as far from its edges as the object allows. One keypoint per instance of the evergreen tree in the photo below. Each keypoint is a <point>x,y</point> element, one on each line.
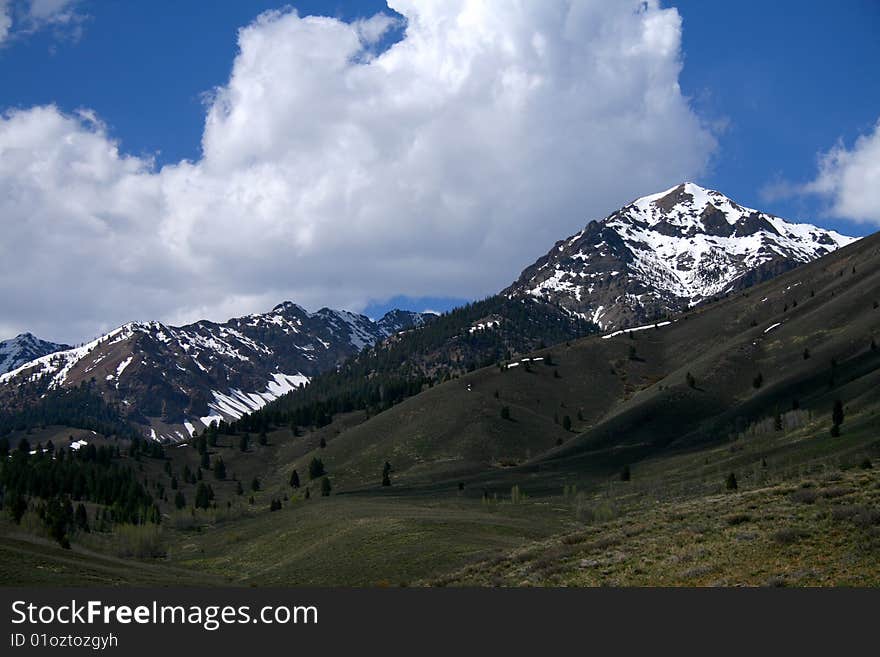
<point>505,412</point>
<point>255,485</point>
<point>758,381</point>
<point>386,474</point>
<point>294,479</point>
<point>204,496</point>
<point>326,487</point>
<point>82,518</point>
<point>625,473</point>
<point>238,488</point>
<point>179,500</point>
<point>17,507</point>
<point>58,517</point>
<point>316,468</point>
<point>263,439</point>
<point>730,482</point>
<point>566,423</point>
<point>243,442</point>
<point>836,417</point>
<point>219,468</point>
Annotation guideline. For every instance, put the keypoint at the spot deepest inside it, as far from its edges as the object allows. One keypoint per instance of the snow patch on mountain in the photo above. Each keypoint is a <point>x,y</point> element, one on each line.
<point>235,403</point>
<point>636,328</point>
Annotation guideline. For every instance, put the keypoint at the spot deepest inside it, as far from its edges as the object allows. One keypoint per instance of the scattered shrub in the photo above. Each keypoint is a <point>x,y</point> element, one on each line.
<point>803,496</point>
<point>591,513</point>
<point>140,541</point>
<point>866,517</point>
<point>738,519</point>
<point>789,535</point>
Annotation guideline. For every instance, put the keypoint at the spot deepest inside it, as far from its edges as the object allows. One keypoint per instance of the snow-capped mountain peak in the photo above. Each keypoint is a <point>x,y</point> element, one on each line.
<point>667,251</point>
<point>23,348</point>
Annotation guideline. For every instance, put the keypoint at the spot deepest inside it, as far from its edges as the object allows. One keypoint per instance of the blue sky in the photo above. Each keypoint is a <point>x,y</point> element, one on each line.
<point>791,78</point>
<point>779,83</point>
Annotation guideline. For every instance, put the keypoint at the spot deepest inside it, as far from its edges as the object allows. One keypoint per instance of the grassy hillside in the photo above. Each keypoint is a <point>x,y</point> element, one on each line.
<point>783,351</point>
<point>817,530</point>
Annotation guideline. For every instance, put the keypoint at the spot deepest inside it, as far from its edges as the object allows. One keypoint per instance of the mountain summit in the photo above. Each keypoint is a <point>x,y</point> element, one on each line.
<point>23,348</point>
<point>666,252</point>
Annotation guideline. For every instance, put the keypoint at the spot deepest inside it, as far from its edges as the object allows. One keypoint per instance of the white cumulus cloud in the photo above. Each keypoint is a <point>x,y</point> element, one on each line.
<point>849,178</point>
<point>333,173</point>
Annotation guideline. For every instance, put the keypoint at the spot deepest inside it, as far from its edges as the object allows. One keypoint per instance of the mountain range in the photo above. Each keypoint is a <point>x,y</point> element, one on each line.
<point>172,380</point>
<point>656,256</point>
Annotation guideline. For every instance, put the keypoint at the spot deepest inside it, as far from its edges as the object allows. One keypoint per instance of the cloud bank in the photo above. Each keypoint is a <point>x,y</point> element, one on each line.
<point>333,173</point>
